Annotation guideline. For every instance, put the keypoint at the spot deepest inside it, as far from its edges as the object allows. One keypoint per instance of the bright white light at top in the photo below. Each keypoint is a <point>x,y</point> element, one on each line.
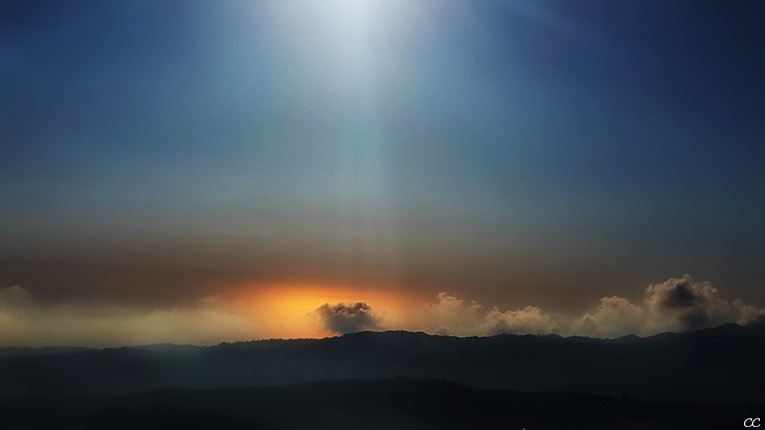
<point>344,53</point>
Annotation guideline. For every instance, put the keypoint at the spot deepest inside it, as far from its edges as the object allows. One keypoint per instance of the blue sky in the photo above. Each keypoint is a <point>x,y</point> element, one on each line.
<point>545,152</point>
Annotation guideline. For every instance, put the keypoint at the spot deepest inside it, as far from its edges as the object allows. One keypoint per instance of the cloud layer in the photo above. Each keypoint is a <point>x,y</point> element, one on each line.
<point>24,321</point>
<point>677,304</point>
<point>455,316</point>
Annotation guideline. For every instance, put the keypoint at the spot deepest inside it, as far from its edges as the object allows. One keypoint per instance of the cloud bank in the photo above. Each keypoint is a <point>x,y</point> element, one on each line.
<point>677,304</point>
<point>455,316</point>
<point>26,322</point>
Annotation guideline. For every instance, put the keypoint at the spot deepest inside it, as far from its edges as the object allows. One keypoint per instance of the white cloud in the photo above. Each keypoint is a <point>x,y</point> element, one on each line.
<point>529,320</point>
<point>614,316</point>
<point>455,316</point>
<point>677,304</point>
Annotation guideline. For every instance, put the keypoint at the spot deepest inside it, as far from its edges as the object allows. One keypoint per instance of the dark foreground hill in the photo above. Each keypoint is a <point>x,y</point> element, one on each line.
<point>723,364</point>
<point>370,404</point>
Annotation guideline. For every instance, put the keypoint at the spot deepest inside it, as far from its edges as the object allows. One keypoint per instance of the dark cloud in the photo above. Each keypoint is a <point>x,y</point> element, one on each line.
<point>342,318</point>
<point>685,304</point>
<point>677,304</point>
<point>681,296</point>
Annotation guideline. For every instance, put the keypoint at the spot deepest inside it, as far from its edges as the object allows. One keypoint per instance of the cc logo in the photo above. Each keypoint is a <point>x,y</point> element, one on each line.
<point>752,423</point>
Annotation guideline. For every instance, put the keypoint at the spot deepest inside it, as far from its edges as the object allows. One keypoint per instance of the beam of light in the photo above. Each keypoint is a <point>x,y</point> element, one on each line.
<point>348,37</point>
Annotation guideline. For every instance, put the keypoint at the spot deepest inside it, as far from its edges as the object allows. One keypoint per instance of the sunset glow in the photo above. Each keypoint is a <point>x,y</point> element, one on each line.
<point>384,214</point>
<point>200,171</point>
<point>289,310</point>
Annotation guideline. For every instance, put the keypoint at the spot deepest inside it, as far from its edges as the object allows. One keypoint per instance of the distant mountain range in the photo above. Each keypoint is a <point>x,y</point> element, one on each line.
<point>718,365</point>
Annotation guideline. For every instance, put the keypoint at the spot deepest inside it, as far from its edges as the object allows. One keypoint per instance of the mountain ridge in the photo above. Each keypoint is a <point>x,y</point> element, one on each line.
<point>713,365</point>
<point>7,351</point>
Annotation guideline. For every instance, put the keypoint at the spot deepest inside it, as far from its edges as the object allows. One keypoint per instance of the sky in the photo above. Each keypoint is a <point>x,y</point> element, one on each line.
<point>198,171</point>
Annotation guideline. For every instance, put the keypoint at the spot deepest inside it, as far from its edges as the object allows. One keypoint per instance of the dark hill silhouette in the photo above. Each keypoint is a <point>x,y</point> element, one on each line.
<point>369,404</point>
<point>721,365</point>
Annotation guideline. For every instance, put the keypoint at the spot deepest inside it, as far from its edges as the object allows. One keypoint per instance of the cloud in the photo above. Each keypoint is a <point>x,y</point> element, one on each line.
<point>615,316</point>
<point>677,304</point>
<point>25,321</point>
<point>684,304</point>
<point>455,316</point>
<point>342,318</point>
<point>529,320</point>
<point>452,315</point>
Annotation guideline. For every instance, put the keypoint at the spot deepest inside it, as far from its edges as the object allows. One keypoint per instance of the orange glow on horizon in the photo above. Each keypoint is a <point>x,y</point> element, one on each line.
<point>289,310</point>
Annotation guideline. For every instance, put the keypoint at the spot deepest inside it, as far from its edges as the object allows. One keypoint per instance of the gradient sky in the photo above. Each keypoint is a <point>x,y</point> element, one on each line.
<point>511,152</point>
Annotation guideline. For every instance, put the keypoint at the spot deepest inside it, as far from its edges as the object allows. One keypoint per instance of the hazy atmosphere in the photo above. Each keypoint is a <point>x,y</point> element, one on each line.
<point>207,171</point>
